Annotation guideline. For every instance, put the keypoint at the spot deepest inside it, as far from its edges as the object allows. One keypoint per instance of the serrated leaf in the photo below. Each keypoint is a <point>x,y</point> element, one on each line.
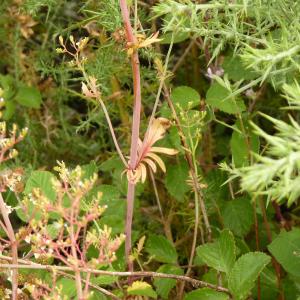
<point>238,215</point>
<point>185,97</point>
<point>29,97</point>
<point>141,288</point>
<point>205,294</point>
<point>245,272</point>
<point>286,249</point>
<point>215,97</point>
<point>161,249</point>
<point>164,285</point>
<point>221,254</point>
<point>175,173</point>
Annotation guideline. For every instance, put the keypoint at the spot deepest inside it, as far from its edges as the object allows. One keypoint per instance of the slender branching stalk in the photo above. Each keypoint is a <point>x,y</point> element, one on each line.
<point>14,246</point>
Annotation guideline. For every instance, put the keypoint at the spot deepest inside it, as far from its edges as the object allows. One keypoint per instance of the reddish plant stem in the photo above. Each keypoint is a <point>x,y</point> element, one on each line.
<point>257,246</point>
<point>279,216</point>
<point>275,264</point>
<point>135,64</point>
<point>14,246</point>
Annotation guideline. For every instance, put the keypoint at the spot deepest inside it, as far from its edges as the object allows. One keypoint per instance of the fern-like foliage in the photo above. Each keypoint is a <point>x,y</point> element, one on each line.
<point>275,173</point>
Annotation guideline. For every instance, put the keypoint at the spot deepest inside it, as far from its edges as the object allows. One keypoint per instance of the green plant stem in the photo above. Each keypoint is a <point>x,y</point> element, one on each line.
<point>189,159</point>
<point>14,246</point>
<point>112,132</point>
<point>162,81</point>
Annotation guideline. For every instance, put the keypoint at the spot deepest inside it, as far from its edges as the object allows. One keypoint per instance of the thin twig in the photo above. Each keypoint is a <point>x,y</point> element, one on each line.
<point>194,282</point>
<point>29,263</point>
<point>14,246</point>
<point>156,195</point>
<point>183,56</point>
<point>112,132</point>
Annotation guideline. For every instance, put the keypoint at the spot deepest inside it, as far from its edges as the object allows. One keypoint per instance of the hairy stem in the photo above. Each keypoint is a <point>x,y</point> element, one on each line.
<point>14,246</point>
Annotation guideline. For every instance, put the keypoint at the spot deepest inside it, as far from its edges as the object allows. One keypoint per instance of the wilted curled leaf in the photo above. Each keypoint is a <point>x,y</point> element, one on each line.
<point>147,153</point>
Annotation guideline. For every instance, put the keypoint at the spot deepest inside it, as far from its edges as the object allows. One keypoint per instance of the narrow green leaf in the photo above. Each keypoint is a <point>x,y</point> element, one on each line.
<point>206,294</point>
<point>221,254</point>
<point>162,249</point>
<point>245,272</point>
<point>286,249</point>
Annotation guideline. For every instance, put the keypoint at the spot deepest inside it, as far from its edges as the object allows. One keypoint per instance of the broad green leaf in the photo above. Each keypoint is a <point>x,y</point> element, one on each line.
<point>241,146</point>
<point>7,85</point>
<point>68,287</point>
<point>113,216</point>
<point>104,280</point>
<point>162,249</point>
<point>53,229</point>
<point>185,97</point>
<point>10,108</point>
<point>175,180</point>
<point>221,254</point>
<point>236,70</point>
<point>141,288</point>
<point>96,295</point>
<point>286,249</point>
<point>178,38</point>
<point>163,286</point>
<point>89,170</point>
<point>238,215</point>
<point>215,97</point>
<point>29,97</point>
<point>268,285</point>
<point>206,294</point>
<point>245,272</point>
<point>43,181</point>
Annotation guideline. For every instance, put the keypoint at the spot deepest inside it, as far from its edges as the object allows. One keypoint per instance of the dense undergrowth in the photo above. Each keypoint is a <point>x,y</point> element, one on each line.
<point>150,149</point>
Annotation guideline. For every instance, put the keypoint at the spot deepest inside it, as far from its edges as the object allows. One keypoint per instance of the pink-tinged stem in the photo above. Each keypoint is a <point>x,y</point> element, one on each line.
<point>135,64</point>
<point>14,246</point>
